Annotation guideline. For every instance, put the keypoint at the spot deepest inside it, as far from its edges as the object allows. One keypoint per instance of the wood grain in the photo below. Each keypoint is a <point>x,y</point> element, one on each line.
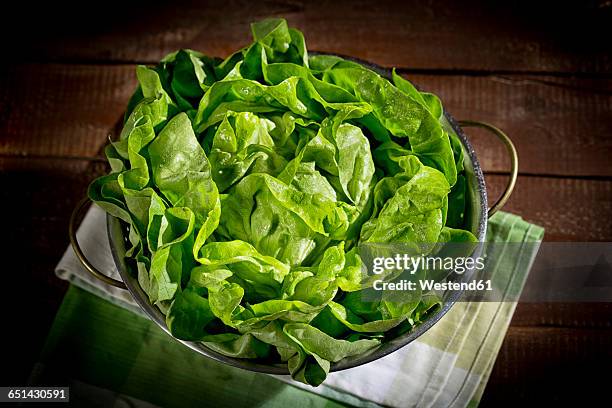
<point>569,209</point>
<point>550,365</point>
<point>61,110</point>
<point>580,315</point>
<point>473,35</point>
<point>561,126</point>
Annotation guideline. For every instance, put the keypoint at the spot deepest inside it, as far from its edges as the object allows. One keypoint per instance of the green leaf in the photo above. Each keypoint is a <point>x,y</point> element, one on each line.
<point>401,115</point>
<point>355,323</point>
<point>188,315</point>
<point>413,211</point>
<point>316,343</point>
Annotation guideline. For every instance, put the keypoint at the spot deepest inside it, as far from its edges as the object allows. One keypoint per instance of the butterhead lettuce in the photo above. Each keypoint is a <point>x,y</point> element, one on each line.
<point>246,186</point>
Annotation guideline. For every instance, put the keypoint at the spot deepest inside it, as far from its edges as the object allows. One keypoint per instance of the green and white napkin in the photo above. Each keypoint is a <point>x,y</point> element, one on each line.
<point>448,366</point>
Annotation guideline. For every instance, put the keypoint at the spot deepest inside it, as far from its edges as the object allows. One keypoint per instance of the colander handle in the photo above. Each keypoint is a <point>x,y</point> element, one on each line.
<point>513,160</point>
<point>79,253</point>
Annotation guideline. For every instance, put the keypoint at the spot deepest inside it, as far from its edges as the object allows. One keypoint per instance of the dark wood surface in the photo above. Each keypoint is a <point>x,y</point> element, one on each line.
<point>542,72</point>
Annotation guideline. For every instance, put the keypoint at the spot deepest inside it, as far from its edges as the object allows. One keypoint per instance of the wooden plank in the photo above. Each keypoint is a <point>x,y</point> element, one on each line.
<point>561,126</point>
<point>548,365</point>
<point>582,315</point>
<point>474,35</point>
<point>569,209</point>
<point>61,110</point>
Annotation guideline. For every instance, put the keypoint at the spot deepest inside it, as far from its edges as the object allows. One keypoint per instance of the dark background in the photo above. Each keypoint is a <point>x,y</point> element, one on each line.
<point>542,71</point>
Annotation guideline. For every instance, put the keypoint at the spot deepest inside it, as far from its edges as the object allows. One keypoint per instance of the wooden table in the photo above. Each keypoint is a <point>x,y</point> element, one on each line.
<point>543,76</point>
